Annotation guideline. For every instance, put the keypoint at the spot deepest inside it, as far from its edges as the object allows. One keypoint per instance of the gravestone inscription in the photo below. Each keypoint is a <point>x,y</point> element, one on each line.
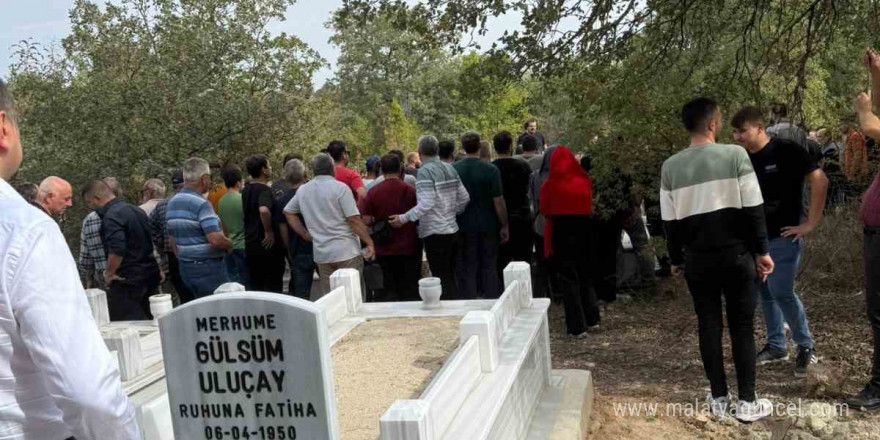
<point>252,366</point>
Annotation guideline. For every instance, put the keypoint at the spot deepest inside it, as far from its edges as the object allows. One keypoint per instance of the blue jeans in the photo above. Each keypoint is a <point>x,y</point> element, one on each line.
<point>203,277</point>
<point>236,267</point>
<point>778,299</point>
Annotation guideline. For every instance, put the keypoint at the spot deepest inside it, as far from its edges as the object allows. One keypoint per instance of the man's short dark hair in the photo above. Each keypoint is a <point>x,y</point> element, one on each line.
<point>6,103</point>
<point>336,150</point>
<point>587,162</point>
<point>255,165</point>
<point>779,109</point>
<point>290,156</point>
<point>447,149</point>
<point>529,121</point>
<point>231,175</point>
<point>470,142</point>
<point>502,142</point>
<point>530,143</point>
<point>97,188</point>
<point>397,153</point>
<point>748,115</point>
<point>697,113</point>
<point>390,164</point>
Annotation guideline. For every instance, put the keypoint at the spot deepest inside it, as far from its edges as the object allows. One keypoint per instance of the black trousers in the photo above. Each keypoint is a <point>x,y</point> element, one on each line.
<point>571,242</point>
<point>544,284</point>
<point>872,287</point>
<point>129,301</point>
<point>603,247</point>
<point>519,247</point>
<point>477,265</point>
<point>266,272</point>
<point>730,274</point>
<point>442,250</point>
<point>183,292</point>
<point>400,277</point>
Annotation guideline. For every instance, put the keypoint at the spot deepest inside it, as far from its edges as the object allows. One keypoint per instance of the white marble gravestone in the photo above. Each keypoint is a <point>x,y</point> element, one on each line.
<point>252,366</point>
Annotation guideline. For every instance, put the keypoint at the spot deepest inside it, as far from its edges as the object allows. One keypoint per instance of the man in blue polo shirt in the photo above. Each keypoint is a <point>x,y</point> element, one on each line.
<point>194,232</point>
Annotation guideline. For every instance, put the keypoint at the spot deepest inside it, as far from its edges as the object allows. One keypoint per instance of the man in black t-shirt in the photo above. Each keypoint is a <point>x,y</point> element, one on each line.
<point>783,167</point>
<point>531,128</point>
<point>263,247</point>
<point>515,174</point>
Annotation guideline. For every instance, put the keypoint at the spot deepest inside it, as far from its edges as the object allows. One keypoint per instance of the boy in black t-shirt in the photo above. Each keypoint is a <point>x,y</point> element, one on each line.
<point>263,247</point>
<point>783,167</point>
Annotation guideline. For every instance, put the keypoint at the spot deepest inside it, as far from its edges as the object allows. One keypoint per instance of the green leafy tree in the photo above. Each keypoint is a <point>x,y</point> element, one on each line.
<point>143,84</point>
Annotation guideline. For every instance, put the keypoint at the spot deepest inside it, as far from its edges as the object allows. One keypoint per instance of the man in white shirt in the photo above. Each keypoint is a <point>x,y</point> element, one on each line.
<point>57,379</point>
<point>334,223</point>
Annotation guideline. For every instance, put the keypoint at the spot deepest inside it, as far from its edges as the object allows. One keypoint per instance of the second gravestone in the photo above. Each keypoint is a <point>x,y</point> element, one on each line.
<point>250,366</point>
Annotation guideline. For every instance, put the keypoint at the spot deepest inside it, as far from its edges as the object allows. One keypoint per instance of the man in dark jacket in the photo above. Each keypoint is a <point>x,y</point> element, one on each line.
<point>132,274</point>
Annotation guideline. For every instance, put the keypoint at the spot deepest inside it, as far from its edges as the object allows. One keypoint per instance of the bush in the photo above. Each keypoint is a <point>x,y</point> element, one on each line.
<point>832,261</point>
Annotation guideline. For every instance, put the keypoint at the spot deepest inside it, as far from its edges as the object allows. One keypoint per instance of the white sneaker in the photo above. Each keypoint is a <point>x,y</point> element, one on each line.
<point>719,406</point>
<point>753,411</point>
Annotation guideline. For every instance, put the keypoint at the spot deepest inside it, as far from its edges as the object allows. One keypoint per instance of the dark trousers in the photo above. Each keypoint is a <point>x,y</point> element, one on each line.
<point>571,256</point>
<point>128,301</point>
<point>400,277</point>
<point>266,272</point>
<point>236,267</point>
<point>477,265</point>
<point>442,250</point>
<point>603,247</point>
<point>302,271</point>
<point>729,274</point>
<point>183,292</point>
<point>872,287</point>
<point>519,247</point>
<point>544,284</point>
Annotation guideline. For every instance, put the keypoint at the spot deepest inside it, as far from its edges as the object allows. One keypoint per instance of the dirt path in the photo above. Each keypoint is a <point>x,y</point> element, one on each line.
<point>647,353</point>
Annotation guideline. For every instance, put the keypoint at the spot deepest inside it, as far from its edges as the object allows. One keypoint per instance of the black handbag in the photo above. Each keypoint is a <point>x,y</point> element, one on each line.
<point>381,232</point>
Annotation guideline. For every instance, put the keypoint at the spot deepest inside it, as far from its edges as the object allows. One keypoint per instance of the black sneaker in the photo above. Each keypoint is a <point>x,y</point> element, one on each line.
<point>769,355</point>
<point>868,399</point>
<point>803,359</point>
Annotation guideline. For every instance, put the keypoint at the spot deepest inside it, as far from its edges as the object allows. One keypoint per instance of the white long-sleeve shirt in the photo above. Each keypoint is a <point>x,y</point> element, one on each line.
<point>441,197</point>
<point>57,378</point>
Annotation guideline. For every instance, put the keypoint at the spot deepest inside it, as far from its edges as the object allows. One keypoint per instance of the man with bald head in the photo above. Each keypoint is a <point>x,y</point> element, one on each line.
<point>54,196</point>
<point>61,380</point>
<point>132,274</point>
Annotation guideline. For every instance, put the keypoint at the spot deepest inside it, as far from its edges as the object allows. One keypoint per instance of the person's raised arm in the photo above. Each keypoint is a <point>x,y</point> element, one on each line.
<point>872,62</point>
<point>62,339</point>
<point>868,122</point>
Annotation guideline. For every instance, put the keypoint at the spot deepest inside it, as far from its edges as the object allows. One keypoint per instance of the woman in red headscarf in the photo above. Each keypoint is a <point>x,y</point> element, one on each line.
<point>566,203</point>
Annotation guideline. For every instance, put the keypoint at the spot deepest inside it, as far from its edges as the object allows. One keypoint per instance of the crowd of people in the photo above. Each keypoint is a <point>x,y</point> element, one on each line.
<point>735,219</point>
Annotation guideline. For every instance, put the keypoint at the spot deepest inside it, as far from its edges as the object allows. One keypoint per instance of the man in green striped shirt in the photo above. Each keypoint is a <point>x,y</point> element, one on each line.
<point>713,211</point>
